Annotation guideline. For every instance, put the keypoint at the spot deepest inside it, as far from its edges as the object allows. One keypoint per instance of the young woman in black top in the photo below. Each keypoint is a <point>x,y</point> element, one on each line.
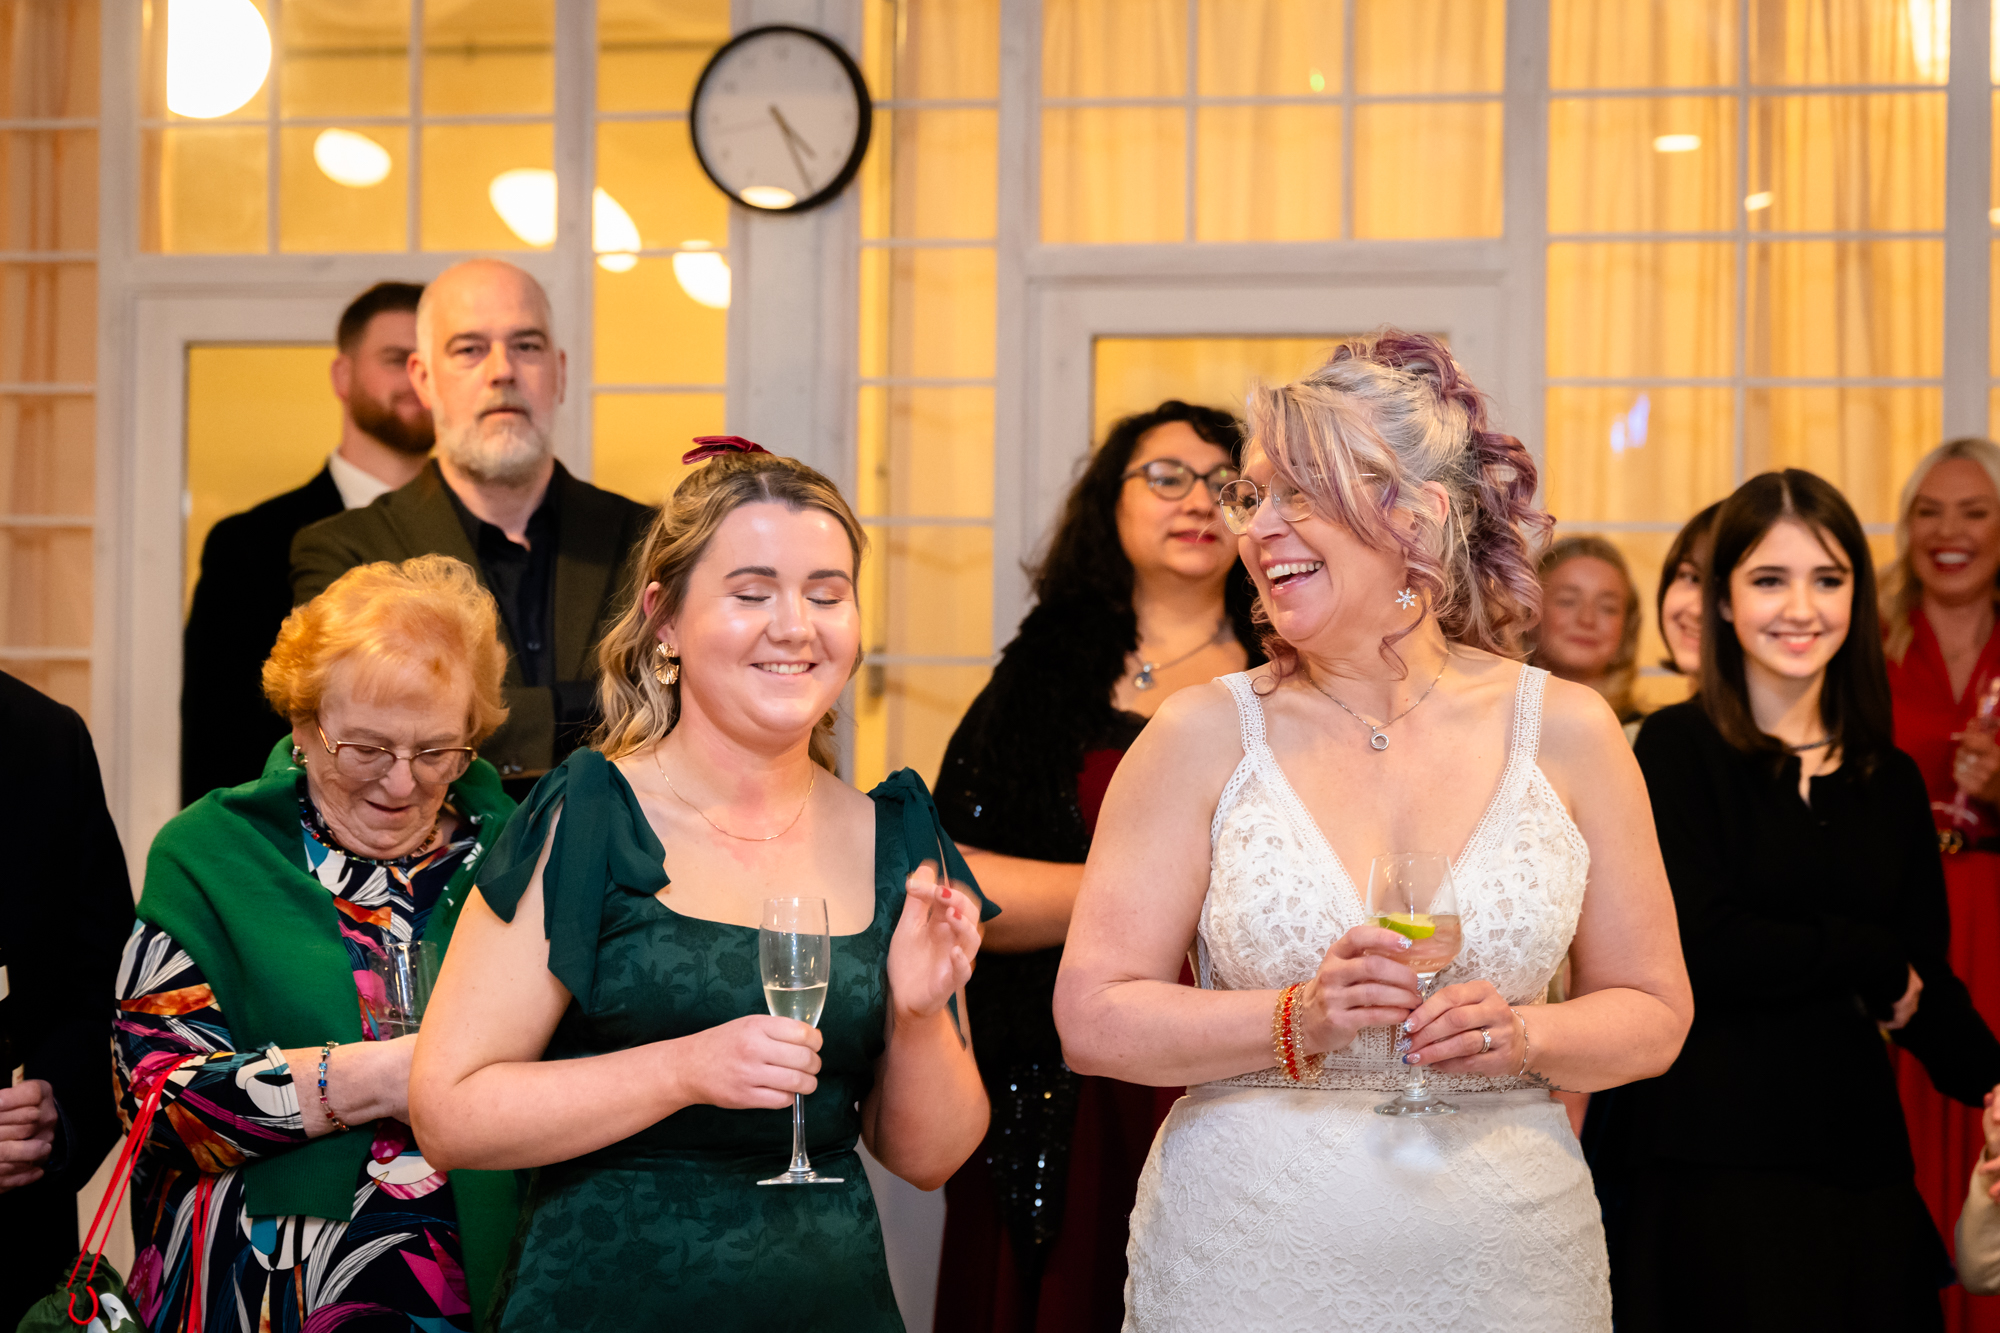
<point>1765,1180</point>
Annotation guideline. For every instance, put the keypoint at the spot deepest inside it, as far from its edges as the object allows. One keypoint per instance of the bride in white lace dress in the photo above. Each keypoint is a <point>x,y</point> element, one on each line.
<point>1389,534</point>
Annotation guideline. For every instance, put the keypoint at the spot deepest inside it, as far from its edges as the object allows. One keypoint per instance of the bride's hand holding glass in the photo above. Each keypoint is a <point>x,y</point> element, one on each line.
<point>1360,984</point>
<point>931,953</point>
<point>1467,1028</point>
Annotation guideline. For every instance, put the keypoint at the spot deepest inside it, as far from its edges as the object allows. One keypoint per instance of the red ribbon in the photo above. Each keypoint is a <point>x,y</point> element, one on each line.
<point>712,445</point>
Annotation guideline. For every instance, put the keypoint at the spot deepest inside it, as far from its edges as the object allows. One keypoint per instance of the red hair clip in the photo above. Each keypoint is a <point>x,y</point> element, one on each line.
<point>712,445</point>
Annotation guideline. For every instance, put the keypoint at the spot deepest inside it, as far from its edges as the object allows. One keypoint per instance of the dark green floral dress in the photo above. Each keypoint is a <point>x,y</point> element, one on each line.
<point>669,1229</point>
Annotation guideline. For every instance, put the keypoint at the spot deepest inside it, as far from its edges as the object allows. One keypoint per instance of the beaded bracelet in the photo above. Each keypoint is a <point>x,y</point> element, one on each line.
<point>1285,1042</point>
<point>325,1052</point>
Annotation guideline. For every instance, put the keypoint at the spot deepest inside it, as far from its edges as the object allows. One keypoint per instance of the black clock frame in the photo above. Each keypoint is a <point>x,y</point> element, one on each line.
<point>867,117</point>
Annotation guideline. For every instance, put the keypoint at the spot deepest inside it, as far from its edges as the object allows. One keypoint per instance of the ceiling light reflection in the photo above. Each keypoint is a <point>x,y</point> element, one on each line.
<point>703,275</point>
<point>525,199</point>
<point>218,52</point>
<point>1762,199</point>
<point>613,234</point>
<point>768,196</point>
<point>351,159</point>
<point>1677,143</point>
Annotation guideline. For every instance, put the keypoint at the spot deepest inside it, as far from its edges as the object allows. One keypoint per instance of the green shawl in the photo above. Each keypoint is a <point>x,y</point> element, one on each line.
<point>227,879</point>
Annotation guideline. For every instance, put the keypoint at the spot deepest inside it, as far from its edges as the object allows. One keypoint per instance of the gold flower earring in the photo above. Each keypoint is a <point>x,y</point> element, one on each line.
<point>667,669</point>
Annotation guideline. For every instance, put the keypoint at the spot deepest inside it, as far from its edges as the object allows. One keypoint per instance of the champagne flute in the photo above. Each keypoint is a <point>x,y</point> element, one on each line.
<point>1411,893</point>
<point>795,954</point>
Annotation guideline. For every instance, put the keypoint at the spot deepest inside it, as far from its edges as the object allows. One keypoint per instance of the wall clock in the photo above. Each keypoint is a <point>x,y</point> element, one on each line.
<point>780,119</point>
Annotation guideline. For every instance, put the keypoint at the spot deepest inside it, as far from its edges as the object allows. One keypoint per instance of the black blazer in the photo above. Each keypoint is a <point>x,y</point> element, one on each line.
<point>597,531</point>
<point>244,594</point>
<point>65,912</point>
<point>1799,925</point>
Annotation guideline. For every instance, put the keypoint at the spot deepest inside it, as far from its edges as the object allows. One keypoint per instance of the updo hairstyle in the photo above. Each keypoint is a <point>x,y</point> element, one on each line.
<point>638,710</point>
<point>1361,436</point>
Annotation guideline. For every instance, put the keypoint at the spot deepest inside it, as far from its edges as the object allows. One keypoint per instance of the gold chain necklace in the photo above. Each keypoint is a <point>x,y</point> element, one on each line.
<point>811,782</point>
<point>1144,680</point>
<point>1376,740</point>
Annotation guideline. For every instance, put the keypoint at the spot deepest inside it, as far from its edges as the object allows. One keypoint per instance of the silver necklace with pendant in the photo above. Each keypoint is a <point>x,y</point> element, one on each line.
<point>1376,740</point>
<point>1144,680</point>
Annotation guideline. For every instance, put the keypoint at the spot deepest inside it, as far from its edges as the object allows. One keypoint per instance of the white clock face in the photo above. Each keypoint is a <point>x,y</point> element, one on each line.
<point>780,119</point>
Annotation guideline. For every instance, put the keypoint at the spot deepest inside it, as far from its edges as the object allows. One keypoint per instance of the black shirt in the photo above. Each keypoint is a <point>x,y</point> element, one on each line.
<point>1799,924</point>
<point>522,581</point>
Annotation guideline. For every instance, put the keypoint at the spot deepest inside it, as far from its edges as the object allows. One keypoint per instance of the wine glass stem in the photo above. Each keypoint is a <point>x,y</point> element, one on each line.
<point>1416,1085</point>
<point>799,1163</point>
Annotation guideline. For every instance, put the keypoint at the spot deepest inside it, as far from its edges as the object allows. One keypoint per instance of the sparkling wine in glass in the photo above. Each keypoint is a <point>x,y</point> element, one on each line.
<point>795,955</point>
<point>1411,893</point>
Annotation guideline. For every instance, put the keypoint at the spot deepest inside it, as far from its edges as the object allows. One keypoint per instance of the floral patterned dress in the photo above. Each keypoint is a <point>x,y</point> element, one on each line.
<point>396,1263</point>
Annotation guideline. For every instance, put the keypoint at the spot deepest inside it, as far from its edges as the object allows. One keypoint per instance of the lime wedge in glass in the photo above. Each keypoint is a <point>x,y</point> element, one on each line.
<point>1416,925</point>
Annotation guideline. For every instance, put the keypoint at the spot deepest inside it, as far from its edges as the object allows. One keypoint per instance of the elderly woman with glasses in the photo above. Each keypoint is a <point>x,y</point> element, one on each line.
<point>282,1188</point>
<point>1140,596</point>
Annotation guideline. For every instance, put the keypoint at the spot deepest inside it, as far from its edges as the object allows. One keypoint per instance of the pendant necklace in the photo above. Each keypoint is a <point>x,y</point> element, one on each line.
<point>1144,680</point>
<point>1376,740</point>
<point>811,782</point>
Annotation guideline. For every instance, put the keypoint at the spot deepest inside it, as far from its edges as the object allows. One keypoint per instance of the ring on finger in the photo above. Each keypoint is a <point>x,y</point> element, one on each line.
<point>1485,1041</point>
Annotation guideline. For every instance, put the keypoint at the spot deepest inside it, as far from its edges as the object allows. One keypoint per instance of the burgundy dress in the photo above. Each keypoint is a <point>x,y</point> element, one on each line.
<point>1945,1137</point>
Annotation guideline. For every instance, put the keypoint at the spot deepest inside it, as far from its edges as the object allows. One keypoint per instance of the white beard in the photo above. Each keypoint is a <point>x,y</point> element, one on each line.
<point>505,453</point>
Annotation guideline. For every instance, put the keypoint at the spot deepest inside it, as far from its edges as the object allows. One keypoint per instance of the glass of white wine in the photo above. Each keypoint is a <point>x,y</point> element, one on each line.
<point>795,955</point>
<point>1411,893</point>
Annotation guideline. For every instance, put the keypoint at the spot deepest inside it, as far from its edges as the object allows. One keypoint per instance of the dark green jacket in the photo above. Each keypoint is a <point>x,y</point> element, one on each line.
<point>227,879</point>
<point>596,532</point>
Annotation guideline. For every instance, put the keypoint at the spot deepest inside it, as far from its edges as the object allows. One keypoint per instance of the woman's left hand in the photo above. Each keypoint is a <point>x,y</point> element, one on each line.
<point>1449,1032</point>
<point>1976,765</point>
<point>930,955</point>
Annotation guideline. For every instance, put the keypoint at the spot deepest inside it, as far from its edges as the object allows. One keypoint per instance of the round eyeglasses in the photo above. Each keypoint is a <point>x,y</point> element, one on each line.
<point>1241,498</point>
<point>1171,479</point>
<point>365,763</point>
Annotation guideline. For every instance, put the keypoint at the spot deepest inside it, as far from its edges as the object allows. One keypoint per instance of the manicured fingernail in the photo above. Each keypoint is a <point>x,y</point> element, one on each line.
<point>944,891</point>
<point>1402,1043</point>
<point>1406,1025</point>
<point>1406,944</point>
<point>1413,1059</point>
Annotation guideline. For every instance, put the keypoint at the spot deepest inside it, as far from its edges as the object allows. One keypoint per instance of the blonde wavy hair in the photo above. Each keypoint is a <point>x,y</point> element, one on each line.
<point>638,710</point>
<point>428,614</point>
<point>1900,591</point>
<point>1363,434</point>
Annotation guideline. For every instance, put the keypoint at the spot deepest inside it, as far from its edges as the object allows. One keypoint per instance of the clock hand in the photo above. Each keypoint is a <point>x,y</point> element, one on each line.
<point>792,145</point>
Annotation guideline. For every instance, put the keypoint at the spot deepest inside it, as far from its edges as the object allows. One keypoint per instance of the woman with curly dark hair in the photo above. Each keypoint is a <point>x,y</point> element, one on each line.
<point>1140,595</point>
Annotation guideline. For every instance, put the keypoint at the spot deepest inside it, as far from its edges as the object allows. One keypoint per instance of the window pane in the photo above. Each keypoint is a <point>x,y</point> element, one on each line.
<point>931,175</point>
<point>1114,174</point>
<point>1273,48</point>
<point>649,55</point>
<point>928,591</point>
<point>65,682</point>
<point>1848,163</point>
<point>1827,308</point>
<point>1849,41</point>
<point>904,717</point>
<point>203,191</point>
<point>1137,374</point>
<point>59,43</point>
<point>649,168</point>
<point>156,21</point>
<point>345,59</point>
<point>1865,441</point>
<point>45,581</point>
<point>48,323</point>
<point>494,56</point>
<point>1456,191</point>
<point>48,452</point>
<point>926,452</point>
<point>1641,43</point>
<point>1267,173</point>
<point>1114,48</point>
<point>939,313</point>
<point>1607,174</point>
<point>1637,455</point>
<point>931,48</point>
<point>1430,46</point>
<point>637,440</point>
<point>1626,310</point>
<point>648,329</point>
<point>48,179</point>
<point>460,164</point>
<point>319,214</point>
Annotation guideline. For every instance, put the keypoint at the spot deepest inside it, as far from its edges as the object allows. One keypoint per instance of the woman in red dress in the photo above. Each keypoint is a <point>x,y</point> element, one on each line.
<point>1944,659</point>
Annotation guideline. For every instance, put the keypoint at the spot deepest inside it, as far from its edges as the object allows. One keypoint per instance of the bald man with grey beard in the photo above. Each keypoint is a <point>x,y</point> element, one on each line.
<point>551,548</point>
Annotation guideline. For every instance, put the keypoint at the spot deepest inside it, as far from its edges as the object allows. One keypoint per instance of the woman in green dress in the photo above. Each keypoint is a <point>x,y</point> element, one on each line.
<point>602,1019</point>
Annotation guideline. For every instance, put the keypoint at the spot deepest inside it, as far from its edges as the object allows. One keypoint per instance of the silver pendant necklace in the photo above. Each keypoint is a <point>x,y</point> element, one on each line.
<point>1376,740</point>
<point>1144,680</point>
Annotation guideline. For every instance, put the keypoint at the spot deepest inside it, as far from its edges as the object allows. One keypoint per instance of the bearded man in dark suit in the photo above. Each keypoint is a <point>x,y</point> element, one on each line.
<point>245,590</point>
<point>552,549</point>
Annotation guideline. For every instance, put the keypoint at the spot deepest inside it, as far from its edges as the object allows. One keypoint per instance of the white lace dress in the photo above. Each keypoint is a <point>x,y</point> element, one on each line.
<point>1269,1206</point>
